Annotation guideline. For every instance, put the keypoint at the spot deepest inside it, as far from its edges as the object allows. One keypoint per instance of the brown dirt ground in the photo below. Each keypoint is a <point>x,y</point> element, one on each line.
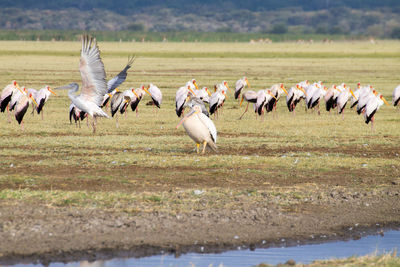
<point>343,207</point>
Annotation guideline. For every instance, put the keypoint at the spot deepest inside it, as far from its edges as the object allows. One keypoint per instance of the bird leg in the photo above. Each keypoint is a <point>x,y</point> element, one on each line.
<point>197,147</point>
<point>22,126</point>
<point>8,115</point>
<point>116,120</point>
<point>137,114</point>
<point>94,122</point>
<point>33,109</point>
<point>204,147</point>
<point>87,120</point>
<point>42,113</point>
<point>372,123</point>
<point>245,110</point>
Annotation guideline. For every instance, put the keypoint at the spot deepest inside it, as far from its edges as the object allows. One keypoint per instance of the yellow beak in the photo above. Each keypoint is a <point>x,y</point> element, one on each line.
<point>51,91</point>
<point>190,89</point>
<point>133,91</point>
<point>302,89</point>
<point>283,88</point>
<point>271,95</point>
<point>145,89</point>
<point>195,84</point>
<point>208,92</point>
<point>34,101</point>
<point>384,100</point>
<point>351,92</point>
<point>241,101</point>
<point>248,84</point>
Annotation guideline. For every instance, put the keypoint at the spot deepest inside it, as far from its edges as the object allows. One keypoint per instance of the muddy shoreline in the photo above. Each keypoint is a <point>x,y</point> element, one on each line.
<point>36,233</point>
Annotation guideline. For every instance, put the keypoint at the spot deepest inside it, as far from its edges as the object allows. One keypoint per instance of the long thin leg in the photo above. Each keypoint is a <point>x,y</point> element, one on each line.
<point>94,124</point>
<point>137,114</point>
<point>22,126</point>
<point>245,110</point>
<point>204,147</point>
<point>197,147</point>
<point>372,123</point>
<point>42,113</point>
<point>116,120</point>
<point>8,114</point>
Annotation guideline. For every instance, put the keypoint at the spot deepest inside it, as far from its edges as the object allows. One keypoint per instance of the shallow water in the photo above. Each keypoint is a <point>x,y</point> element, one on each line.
<point>301,254</point>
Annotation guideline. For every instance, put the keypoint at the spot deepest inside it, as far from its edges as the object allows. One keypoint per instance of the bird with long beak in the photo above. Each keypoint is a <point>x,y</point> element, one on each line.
<point>183,95</point>
<point>240,84</point>
<point>263,97</point>
<point>277,90</point>
<point>250,97</point>
<point>6,96</point>
<point>372,106</point>
<point>155,94</point>
<point>217,99</point>
<point>22,106</point>
<point>203,94</point>
<point>200,129</point>
<point>41,98</point>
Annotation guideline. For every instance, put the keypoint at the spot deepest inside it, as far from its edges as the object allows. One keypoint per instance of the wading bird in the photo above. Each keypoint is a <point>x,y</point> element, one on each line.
<point>203,94</point>
<point>364,98</point>
<point>200,128</point>
<point>217,99</point>
<point>343,98</point>
<point>41,98</point>
<point>94,85</point>
<point>6,96</point>
<point>396,96</point>
<point>372,106</point>
<point>250,97</point>
<point>138,95</point>
<point>277,90</point>
<point>15,98</point>
<point>240,84</point>
<point>295,94</point>
<point>263,98</point>
<point>22,106</point>
<point>184,94</point>
<point>155,94</point>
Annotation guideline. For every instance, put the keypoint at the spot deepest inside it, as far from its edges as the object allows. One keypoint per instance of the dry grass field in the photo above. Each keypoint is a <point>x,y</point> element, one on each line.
<point>295,163</point>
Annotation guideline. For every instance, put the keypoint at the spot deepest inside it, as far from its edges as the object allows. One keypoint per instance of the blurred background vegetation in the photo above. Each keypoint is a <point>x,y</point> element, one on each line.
<point>200,20</point>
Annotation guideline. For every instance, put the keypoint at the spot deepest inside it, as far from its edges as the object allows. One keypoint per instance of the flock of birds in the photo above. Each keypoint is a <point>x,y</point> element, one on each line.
<point>97,93</point>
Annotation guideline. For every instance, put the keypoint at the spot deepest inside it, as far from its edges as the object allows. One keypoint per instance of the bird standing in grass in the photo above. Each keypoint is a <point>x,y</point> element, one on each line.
<point>396,96</point>
<point>155,94</point>
<point>200,128</point>
<point>6,96</point>
<point>22,106</point>
<point>183,94</point>
<point>94,85</point>
<point>240,84</point>
<point>250,97</point>
<point>372,106</point>
<point>41,98</point>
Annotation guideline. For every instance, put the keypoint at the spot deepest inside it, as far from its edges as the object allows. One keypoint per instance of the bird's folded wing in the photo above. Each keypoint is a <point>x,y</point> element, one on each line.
<point>94,85</point>
<point>210,125</point>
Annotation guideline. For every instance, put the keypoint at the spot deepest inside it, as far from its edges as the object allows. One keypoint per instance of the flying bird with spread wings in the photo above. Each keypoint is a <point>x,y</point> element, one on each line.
<point>94,85</point>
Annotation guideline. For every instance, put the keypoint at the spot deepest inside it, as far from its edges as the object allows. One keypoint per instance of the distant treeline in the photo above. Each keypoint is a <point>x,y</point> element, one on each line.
<point>128,36</point>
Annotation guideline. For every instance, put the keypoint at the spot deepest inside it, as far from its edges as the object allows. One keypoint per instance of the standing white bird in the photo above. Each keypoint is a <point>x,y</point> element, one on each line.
<point>41,98</point>
<point>94,85</point>
<point>263,98</point>
<point>250,97</point>
<point>277,90</point>
<point>343,98</point>
<point>372,106</point>
<point>217,99</point>
<point>182,96</point>
<point>15,98</point>
<point>240,84</point>
<point>396,96</point>
<point>294,96</point>
<point>6,96</point>
<point>22,106</point>
<point>364,98</point>
<point>155,94</point>
<point>139,93</point>
<point>200,128</point>
<point>7,93</point>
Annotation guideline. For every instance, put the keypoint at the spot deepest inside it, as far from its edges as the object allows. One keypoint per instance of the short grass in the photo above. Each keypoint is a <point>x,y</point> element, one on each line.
<point>145,161</point>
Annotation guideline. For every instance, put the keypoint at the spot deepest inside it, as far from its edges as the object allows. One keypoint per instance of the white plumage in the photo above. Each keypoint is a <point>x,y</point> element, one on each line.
<point>396,95</point>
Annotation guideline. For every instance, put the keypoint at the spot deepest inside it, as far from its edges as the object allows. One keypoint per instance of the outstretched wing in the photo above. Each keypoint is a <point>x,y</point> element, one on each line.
<point>94,85</point>
<point>121,77</point>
